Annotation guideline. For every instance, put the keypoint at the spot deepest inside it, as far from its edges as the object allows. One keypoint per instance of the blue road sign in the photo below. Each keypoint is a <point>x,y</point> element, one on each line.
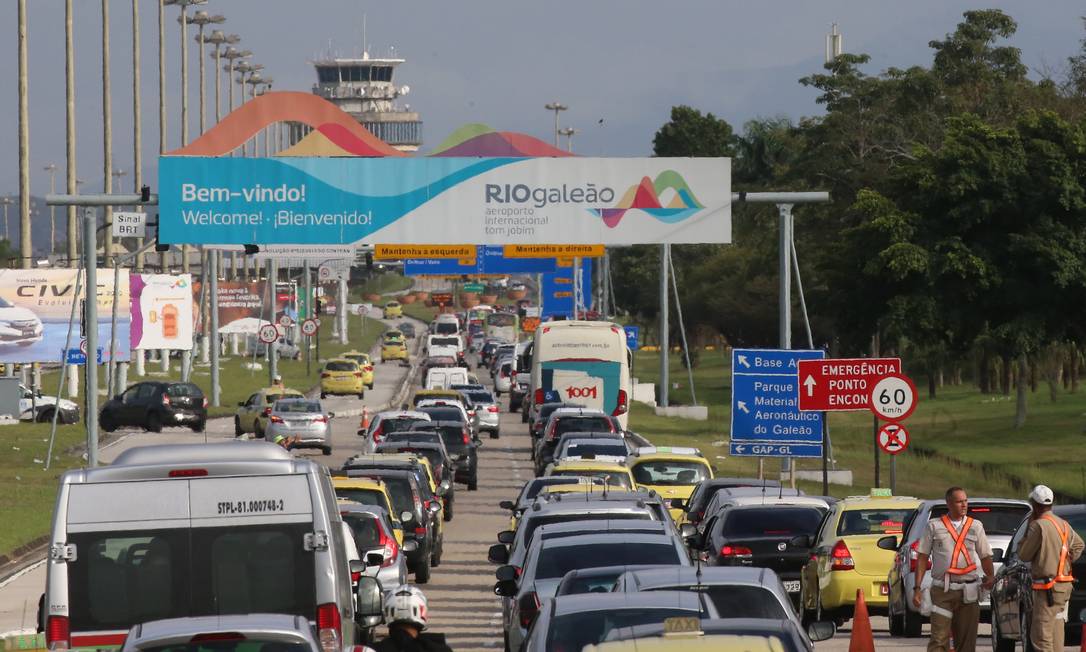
<point>766,420</point>
<point>632,335</point>
<point>76,356</point>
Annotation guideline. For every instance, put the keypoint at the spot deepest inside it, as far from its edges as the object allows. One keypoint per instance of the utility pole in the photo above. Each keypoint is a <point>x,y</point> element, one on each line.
<point>557,107</point>
<point>25,246</point>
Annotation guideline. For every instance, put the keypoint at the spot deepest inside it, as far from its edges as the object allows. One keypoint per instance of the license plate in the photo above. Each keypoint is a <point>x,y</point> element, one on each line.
<point>884,589</point>
<point>792,587</point>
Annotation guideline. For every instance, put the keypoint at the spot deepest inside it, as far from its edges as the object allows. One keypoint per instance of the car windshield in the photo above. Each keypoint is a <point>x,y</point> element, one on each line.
<point>737,600</point>
<point>591,583</point>
<point>413,436</point>
<point>615,447</point>
<point>367,534</point>
<point>670,472</point>
<point>363,496</point>
<point>184,389</point>
<point>613,478</point>
<point>399,489</point>
<point>444,341</point>
<point>556,561</point>
<point>480,397</point>
<point>242,644</point>
<point>872,521</point>
<point>582,424</point>
<point>997,519</point>
<point>446,328</point>
<point>121,578</point>
<point>311,407</point>
<point>771,522</point>
<point>341,366</point>
<point>533,487</point>
<point>432,455</point>
<point>443,413</point>
<point>272,398</point>
<point>389,426</point>
<point>534,523</point>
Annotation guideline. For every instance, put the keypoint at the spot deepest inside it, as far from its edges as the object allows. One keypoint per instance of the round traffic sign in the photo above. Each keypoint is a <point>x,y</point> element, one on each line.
<point>893,398</point>
<point>268,333</point>
<point>285,321</point>
<point>83,346</point>
<point>893,438</point>
<point>309,327</point>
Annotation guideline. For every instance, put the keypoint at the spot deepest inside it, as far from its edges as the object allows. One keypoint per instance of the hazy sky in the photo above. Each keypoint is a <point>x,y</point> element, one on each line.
<point>495,61</point>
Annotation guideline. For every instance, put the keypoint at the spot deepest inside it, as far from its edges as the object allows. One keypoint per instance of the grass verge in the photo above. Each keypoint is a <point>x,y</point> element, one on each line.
<point>960,437</point>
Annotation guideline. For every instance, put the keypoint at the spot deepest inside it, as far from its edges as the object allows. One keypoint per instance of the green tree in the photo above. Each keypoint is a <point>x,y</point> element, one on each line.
<point>691,133</point>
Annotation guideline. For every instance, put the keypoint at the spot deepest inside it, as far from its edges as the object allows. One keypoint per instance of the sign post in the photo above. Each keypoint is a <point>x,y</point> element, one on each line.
<point>766,419</point>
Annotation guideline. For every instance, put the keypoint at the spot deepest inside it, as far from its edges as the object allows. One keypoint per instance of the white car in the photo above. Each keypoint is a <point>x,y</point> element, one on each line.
<point>35,406</point>
<point>19,325</point>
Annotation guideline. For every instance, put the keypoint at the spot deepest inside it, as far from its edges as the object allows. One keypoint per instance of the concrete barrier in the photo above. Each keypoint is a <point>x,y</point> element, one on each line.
<point>841,477</point>
<point>695,412</point>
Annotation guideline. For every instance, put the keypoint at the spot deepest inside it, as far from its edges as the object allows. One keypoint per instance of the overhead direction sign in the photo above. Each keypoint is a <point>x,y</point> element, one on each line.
<point>552,251</point>
<point>841,384</point>
<point>893,438</point>
<point>766,419</point>
<point>396,252</point>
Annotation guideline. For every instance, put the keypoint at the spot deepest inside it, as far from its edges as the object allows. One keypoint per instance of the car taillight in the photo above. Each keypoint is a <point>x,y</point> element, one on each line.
<point>377,432</point>
<point>267,410</point>
<point>205,401</point>
<point>187,473</point>
<point>467,436</point>
<point>217,637</point>
<point>529,609</point>
<point>58,635</point>
<point>328,627</point>
<point>623,404</point>
<point>736,552</point>
<point>325,374</point>
<point>420,531</point>
<point>538,396</point>
<point>841,557</point>
<point>165,400</point>
<point>471,413</point>
<point>321,419</point>
<point>492,408</point>
<point>913,553</point>
<point>390,549</point>
<point>355,576</point>
<point>358,374</point>
<point>275,419</point>
<point>369,367</point>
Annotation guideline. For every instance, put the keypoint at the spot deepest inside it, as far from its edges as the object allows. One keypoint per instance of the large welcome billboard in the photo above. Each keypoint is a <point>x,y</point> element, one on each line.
<point>610,201</point>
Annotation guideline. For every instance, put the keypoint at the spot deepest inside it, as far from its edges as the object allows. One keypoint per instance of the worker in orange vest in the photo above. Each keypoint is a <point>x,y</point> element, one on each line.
<point>1050,545</point>
<point>959,551</point>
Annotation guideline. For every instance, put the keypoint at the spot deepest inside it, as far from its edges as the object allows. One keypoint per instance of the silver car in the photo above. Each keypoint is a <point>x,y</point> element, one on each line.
<point>226,633</point>
<point>302,421</point>
<point>373,534</point>
<point>485,407</point>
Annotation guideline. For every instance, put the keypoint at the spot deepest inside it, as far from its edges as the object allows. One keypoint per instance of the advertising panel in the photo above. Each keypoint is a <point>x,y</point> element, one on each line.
<point>499,201</point>
<point>161,311</point>
<point>242,306</point>
<point>36,304</point>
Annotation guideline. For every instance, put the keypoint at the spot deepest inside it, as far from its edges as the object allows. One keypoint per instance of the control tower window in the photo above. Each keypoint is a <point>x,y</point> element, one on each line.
<point>382,73</point>
<point>355,73</point>
<point>327,75</point>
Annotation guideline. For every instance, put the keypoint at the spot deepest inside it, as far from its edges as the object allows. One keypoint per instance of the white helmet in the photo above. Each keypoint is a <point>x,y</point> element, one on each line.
<point>406,604</point>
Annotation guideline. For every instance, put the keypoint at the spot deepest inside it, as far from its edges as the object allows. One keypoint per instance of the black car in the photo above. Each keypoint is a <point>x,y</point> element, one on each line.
<point>765,536</point>
<point>409,497</point>
<point>154,406</point>
<point>545,410</point>
<point>461,447</point>
<point>703,493</point>
<point>583,420</point>
<point>434,452</point>
<point>1012,599</point>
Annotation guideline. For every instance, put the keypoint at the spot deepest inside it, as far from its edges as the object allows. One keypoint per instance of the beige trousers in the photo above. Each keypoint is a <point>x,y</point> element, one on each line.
<point>963,622</point>
<point>1045,629</point>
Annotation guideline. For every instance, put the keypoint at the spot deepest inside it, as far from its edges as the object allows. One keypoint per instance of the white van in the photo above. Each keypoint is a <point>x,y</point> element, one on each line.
<point>175,531</point>
<point>443,343</point>
<point>446,324</point>
<point>443,377</point>
<point>581,362</point>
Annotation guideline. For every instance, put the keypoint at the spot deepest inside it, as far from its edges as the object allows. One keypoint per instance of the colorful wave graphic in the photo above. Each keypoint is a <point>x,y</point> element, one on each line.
<point>341,130</point>
<point>472,140</point>
<point>668,199</point>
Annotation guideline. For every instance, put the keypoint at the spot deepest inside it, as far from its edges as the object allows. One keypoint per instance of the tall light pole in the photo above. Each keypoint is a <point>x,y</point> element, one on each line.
<point>568,133</point>
<point>69,131</point>
<point>5,202</point>
<point>137,132</point>
<point>219,40</point>
<point>201,18</point>
<point>24,146</point>
<point>52,170</point>
<point>557,107</point>
<point>231,55</point>
<point>107,129</point>
<point>267,130</point>
<point>254,80</point>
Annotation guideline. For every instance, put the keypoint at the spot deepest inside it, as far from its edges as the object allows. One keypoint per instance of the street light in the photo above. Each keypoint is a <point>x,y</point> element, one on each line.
<point>557,107</point>
<point>201,18</point>
<point>268,130</point>
<point>231,55</point>
<point>52,170</point>
<point>255,79</point>
<point>219,39</point>
<point>568,133</point>
<point>6,201</point>
<point>183,20</point>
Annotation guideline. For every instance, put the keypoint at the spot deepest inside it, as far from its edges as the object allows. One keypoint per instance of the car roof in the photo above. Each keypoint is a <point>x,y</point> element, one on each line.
<point>879,502</point>
<point>581,602</point>
<point>603,525</point>
<point>739,483</point>
<point>403,414</point>
<point>359,508</point>
<point>939,502</point>
<point>346,482</point>
<point>565,436</point>
<point>708,626</point>
<point>1060,510</point>
<point>606,538</point>
<point>646,578</point>
<point>577,412</point>
<point>604,463</point>
<point>744,502</point>
<point>668,452</point>
<point>180,630</point>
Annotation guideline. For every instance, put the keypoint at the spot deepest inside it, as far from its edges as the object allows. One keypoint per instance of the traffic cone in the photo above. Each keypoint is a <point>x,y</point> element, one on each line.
<point>862,640</point>
<point>365,417</point>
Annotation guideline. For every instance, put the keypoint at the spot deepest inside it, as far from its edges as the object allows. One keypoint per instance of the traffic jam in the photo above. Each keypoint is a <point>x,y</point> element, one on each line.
<point>609,543</point>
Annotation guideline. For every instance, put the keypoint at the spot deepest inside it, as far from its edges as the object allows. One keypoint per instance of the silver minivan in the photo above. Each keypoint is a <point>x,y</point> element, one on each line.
<point>175,531</point>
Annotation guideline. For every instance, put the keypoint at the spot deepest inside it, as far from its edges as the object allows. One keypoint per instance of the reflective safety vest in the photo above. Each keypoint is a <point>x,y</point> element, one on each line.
<point>1061,576</point>
<point>959,548</point>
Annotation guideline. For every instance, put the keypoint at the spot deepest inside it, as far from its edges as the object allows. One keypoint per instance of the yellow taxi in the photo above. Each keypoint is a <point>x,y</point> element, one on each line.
<point>695,642</point>
<point>393,310</point>
<point>671,471</point>
<point>342,376</point>
<point>613,473</point>
<point>369,491</point>
<point>365,362</point>
<point>845,557</point>
<point>252,413</point>
<point>393,346</point>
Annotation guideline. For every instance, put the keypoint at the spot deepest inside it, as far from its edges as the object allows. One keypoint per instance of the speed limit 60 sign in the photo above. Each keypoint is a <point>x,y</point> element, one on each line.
<point>893,398</point>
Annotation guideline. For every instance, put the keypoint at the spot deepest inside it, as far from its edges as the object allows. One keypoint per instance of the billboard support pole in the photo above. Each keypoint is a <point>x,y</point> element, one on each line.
<point>112,365</point>
<point>309,312</point>
<point>665,253</point>
<point>213,281</point>
<point>90,264</point>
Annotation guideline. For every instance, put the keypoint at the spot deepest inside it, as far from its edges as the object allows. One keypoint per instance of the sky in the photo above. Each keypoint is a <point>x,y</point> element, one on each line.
<point>622,62</point>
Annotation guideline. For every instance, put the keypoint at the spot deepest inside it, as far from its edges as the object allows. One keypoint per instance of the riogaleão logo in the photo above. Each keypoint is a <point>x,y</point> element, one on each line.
<point>668,199</point>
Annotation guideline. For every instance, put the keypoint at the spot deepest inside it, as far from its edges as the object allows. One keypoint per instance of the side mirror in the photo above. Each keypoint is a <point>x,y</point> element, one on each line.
<point>687,531</point>
<point>887,543</point>
<point>821,630</point>
<point>997,555</point>
<point>331,415</point>
<point>241,403</point>
<point>498,554</point>
<point>374,559</point>
<point>357,566</point>
<point>505,589</point>
<point>506,536</point>
<point>506,573</point>
<point>507,504</point>
<point>801,541</point>
<point>444,487</point>
<point>406,516</point>
<point>369,597</point>
<point>410,545</point>
<point>678,503</point>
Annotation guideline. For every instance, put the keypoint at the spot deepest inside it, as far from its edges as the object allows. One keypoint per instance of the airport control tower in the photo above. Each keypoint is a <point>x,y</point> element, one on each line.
<point>366,89</point>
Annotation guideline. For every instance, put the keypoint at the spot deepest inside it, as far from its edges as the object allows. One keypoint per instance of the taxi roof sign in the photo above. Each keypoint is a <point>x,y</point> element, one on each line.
<point>682,625</point>
<point>881,492</point>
